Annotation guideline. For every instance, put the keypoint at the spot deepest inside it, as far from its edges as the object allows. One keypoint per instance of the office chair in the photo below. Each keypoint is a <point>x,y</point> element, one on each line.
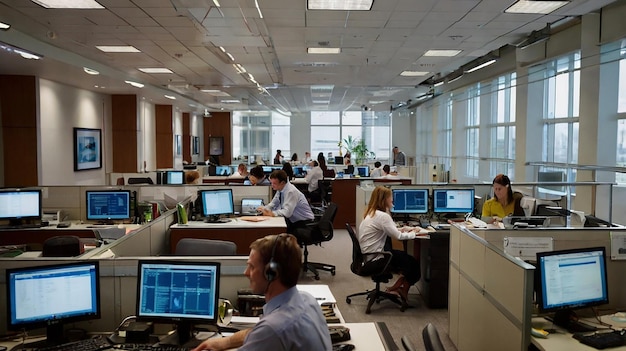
<point>205,247</point>
<point>140,180</point>
<point>432,342</point>
<point>407,344</point>
<point>62,246</point>
<point>379,274</point>
<point>316,233</point>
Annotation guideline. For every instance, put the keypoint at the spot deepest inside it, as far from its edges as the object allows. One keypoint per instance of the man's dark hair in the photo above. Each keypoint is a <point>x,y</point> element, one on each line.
<point>280,175</point>
<point>257,172</point>
<point>377,164</point>
<point>386,169</point>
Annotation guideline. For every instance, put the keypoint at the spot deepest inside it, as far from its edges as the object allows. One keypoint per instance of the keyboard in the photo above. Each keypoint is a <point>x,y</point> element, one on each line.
<point>96,344</point>
<point>603,340</point>
<point>477,223</point>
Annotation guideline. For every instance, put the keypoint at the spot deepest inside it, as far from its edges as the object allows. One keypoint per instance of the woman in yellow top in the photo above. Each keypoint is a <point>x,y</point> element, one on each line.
<point>504,202</point>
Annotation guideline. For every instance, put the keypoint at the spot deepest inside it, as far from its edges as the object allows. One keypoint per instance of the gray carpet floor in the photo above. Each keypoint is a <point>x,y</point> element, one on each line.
<point>338,251</point>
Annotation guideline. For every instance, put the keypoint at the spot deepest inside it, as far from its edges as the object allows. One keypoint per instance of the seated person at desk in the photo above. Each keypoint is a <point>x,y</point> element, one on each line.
<point>292,320</point>
<point>288,202</point>
<point>376,227</point>
<point>289,170</point>
<point>257,177</point>
<point>313,175</point>
<point>242,171</point>
<point>387,172</point>
<point>503,203</point>
<point>377,171</point>
<point>192,177</point>
<point>349,167</point>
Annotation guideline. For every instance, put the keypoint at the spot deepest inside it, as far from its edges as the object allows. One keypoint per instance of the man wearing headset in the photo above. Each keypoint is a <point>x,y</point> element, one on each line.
<point>292,320</point>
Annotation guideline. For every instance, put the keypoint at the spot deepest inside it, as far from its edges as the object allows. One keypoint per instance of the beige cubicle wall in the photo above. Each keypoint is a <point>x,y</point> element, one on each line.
<point>491,292</point>
<point>118,285</point>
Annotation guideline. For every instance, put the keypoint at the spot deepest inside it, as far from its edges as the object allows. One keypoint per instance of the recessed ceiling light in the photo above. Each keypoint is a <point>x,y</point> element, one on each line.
<point>535,7</point>
<point>482,65</point>
<point>135,84</point>
<point>4,26</point>
<point>155,70</point>
<point>117,48</point>
<point>324,50</point>
<point>442,53</point>
<point>93,72</point>
<point>69,4</point>
<point>342,5</point>
<point>170,97</point>
<point>230,101</point>
<point>413,73</point>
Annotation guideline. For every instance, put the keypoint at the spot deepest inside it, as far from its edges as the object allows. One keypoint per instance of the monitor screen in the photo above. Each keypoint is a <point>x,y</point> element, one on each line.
<point>19,204</point>
<point>49,296</point>
<point>298,171</point>
<point>364,171</point>
<point>410,201</point>
<point>222,170</point>
<point>453,200</point>
<point>179,292</point>
<point>175,177</point>
<point>217,202</point>
<point>571,279</point>
<point>107,205</point>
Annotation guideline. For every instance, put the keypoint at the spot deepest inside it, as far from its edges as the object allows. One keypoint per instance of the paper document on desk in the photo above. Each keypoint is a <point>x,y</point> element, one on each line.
<point>254,218</point>
<point>243,322</point>
<point>321,292</point>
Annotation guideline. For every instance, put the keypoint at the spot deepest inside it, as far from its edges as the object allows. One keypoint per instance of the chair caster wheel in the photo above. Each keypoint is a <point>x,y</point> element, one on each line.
<point>348,301</point>
<point>317,277</point>
<point>332,272</point>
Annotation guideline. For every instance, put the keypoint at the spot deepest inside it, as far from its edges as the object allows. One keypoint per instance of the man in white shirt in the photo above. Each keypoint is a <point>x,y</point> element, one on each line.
<point>313,175</point>
<point>377,171</point>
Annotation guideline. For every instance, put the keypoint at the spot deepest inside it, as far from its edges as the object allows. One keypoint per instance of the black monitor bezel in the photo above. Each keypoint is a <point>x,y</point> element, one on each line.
<point>117,218</point>
<point>427,210</point>
<point>232,202</point>
<point>211,320</point>
<point>540,273</point>
<point>434,202</point>
<point>51,321</point>
<point>28,217</point>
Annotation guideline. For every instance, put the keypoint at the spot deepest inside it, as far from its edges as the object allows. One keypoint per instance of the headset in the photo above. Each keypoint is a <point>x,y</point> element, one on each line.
<point>272,267</point>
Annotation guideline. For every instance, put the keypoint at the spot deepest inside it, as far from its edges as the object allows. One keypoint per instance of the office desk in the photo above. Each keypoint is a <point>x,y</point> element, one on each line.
<point>241,232</point>
<point>563,341</point>
<point>434,258</point>
<point>39,235</point>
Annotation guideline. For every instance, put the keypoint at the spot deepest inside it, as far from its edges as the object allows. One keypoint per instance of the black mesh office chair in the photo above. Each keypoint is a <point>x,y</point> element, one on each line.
<point>205,247</point>
<point>432,342</point>
<point>62,246</point>
<point>407,344</point>
<point>314,234</point>
<point>379,273</point>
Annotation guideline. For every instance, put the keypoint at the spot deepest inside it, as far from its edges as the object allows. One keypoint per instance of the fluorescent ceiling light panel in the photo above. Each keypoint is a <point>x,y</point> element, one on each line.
<point>535,7</point>
<point>93,72</point>
<point>230,101</point>
<point>217,3</point>
<point>442,53</point>
<point>324,50</point>
<point>170,97</point>
<point>340,5</point>
<point>69,4</point>
<point>151,70</point>
<point>135,84</point>
<point>4,25</point>
<point>256,3</point>
<point>413,73</point>
<point>215,92</point>
<point>117,48</point>
<point>482,65</point>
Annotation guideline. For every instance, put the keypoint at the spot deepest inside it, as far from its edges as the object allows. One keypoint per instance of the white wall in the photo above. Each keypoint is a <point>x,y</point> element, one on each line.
<point>62,108</point>
<point>146,136</point>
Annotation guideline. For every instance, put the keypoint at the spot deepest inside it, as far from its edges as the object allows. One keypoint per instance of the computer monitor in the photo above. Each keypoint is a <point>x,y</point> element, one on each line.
<point>364,171</point>
<point>216,203</point>
<point>17,205</point>
<point>409,201</point>
<point>182,292</point>
<point>175,177</point>
<point>222,170</point>
<point>571,279</point>
<point>108,205</point>
<point>298,171</point>
<point>51,296</point>
<point>453,200</point>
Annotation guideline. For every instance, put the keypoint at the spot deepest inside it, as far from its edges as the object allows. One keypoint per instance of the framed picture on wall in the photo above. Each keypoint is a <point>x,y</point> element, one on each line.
<point>216,146</point>
<point>195,143</point>
<point>87,149</point>
<point>178,139</point>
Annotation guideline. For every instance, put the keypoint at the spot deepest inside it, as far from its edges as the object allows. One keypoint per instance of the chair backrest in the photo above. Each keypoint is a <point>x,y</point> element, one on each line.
<point>325,224</point>
<point>357,255</point>
<point>140,180</point>
<point>432,342</point>
<point>61,246</point>
<point>205,247</point>
<point>407,344</point>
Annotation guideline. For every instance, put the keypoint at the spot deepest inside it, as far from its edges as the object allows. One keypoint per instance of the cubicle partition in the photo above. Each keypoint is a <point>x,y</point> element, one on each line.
<point>491,292</point>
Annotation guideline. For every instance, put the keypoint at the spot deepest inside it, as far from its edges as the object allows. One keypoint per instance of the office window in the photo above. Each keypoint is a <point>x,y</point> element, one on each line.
<point>444,131</point>
<point>472,132</point>
<point>260,133</point>
<point>620,160</point>
<point>502,129</point>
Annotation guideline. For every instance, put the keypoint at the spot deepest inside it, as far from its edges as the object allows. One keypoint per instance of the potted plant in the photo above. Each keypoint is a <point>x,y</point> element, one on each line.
<point>358,149</point>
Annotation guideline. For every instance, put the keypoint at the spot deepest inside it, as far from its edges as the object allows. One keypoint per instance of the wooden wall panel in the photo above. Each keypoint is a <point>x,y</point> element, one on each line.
<point>186,137</point>
<point>219,125</point>
<point>18,104</point>
<point>124,133</point>
<point>164,136</point>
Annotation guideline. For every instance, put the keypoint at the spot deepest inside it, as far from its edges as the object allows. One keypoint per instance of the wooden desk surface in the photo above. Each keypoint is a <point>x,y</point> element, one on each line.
<point>239,231</point>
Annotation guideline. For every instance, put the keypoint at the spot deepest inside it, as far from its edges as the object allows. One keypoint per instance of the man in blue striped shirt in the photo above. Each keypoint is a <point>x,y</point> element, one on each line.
<point>288,202</point>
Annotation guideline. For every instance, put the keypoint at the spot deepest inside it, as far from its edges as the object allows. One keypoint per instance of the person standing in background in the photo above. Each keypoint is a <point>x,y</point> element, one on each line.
<point>278,159</point>
<point>399,158</point>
